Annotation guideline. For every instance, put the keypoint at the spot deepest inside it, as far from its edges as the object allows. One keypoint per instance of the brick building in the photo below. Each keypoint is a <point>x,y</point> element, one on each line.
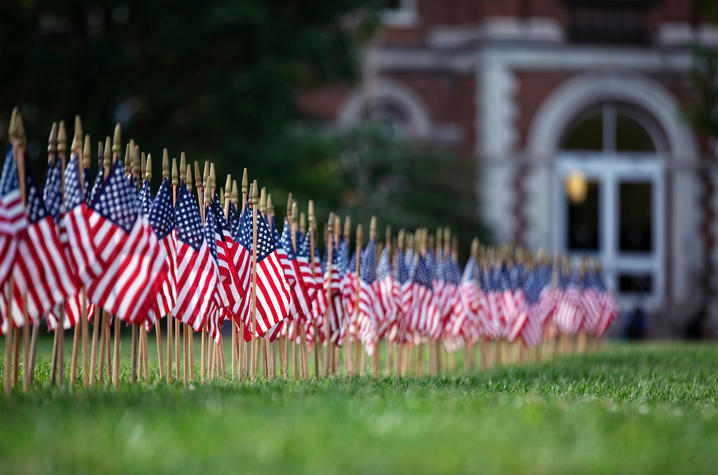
<point>543,92</point>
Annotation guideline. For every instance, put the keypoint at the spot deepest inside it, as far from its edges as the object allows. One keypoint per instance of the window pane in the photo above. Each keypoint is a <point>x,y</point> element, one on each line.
<point>631,136</point>
<point>635,217</point>
<point>583,228</point>
<point>587,134</point>
<point>635,283</point>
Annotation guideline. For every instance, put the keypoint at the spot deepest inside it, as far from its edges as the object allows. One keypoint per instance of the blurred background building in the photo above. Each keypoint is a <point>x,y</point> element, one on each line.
<point>574,113</point>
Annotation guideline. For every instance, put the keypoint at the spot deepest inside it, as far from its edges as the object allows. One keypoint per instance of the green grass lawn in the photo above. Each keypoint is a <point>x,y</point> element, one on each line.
<point>630,409</point>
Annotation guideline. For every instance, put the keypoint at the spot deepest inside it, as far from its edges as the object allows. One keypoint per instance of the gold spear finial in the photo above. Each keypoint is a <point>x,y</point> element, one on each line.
<point>86,153</point>
<point>19,129</point>
<point>175,174</point>
<point>78,131</point>
<point>188,178</point>
<point>330,225</point>
<point>455,247</point>
<point>117,141</point>
<point>447,237</point>
<point>400,239</point>
<point>11,125</point>
<point>197,176</point>
<point>263,200</point>
<point>183,163</point>
<point>128,168</point>
<point>212,176</point>
<point>234,196</point>
<point>148,167</point>
<point>253,193</point>
<point>165,164</point>
<point>270,205</point>
<point>372,228</point>
<point>207,196</point>
<point>310,210</point>
<point>77,138</point>
<point>387,235</point>
<point>61,136</point>
<point>245,182</point>
<point>475,248</point>
<point>143,163</point>
<point>107,162</point>
<point>359,235</point>
<point>295,212</point>
<point>302,222</point>
<point>347,226</point>
<point>205,172</point>
<point>227,187</point>
<point>136,165</point>
<point>290,200</point>
<point>52,141</point>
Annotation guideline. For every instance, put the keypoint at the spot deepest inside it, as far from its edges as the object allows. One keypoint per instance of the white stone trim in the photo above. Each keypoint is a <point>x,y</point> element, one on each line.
<point>405,16</point>
<point>420,123</point>
<point>497,29</point>
<point>562,105</point>
<point>684,34</point>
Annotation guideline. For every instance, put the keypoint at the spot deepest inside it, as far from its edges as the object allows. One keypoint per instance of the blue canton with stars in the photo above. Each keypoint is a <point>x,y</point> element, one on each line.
<point>88,188</point>
<point>73,188</point>
<point>244,233</point>
<point>422,275</point>
<point>305,247</point>
<point>9,181</point>
<point>187,218</point>
<point>343,257</point>
<point>367,267</point>
<point>35,207</point>
<point>233,218</point>
<point>286,240</point>
<point>117,200</point>
<point>52,193</point>
<point>97,186</point>
<point>222,223</point>
<point>210,229</point>
<point>402,271</point>
<point>145,198</point>
<point>161,214</point>
<point>383,270</point>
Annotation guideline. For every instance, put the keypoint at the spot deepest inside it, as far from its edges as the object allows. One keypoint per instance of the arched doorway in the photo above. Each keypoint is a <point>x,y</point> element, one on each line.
<point>610,197</point>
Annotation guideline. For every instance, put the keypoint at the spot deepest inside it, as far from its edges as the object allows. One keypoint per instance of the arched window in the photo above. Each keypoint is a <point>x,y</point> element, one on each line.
<point>614,127</point>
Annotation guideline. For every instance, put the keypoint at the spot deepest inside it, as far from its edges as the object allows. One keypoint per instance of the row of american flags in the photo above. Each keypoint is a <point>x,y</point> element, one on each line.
<point>113,249</point>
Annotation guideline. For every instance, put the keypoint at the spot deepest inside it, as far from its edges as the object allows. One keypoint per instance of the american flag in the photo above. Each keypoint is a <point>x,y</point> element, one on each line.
<point>301,305</point>
<point>41,270</point>
<point>196,272</point>
<point>349,294</point>
<point>533,331</point>
<point>494,303</point>
<point>521,316</point>
<point>242,259</point>
<point>273,294</point>
<point>568,317</point>
<point>216,227</point>
<point>590,302</point>
<point>97,186</point>
<point>134,262</point>
<point>161,217</point>
<point>369,305</point>
<point>424,314</point>
<point>145,198</point>
<point>609,306</point>
<point>466,314</point>
<point>75,237</point>
<point>340,262</point>
<point>233,219</point>
<point>12,215</point>
<point>388,292</point>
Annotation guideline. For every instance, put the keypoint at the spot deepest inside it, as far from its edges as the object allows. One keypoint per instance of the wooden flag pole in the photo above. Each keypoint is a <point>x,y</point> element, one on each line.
<point>277,341</point>
<point>293,227</point>
<point>227,200</point>
<point>264,342</point>
<point>328,312</point>
<point>357,366</point>
<point>8,329</point>
<point>345,323</point>
<point>243,350</point>
<point>302,329</point>
<point>336,356</point>
<point>83,299</point>
<point>312,248</point>
<point>177,323</point>
<point>158,327</point>
<point>57,345</point>
<point>253,343</point>
<point>97,318</point>
<point>134,328</point>
<point>203,331</point>
<point>76,148</point>
<point>116,143</point>
<point>389,346</point>
<point>375,355</point>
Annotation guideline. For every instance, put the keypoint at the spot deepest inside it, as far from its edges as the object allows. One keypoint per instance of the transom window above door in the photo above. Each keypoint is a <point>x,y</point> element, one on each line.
<point>613,127</point>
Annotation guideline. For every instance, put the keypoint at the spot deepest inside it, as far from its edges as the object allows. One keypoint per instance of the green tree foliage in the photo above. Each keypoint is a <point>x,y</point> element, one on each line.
<point>218,79</point>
